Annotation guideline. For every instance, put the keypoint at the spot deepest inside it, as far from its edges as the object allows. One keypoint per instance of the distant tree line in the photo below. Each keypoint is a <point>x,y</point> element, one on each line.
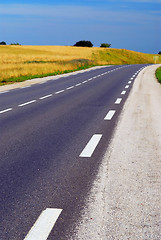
<point>15,44</point>
<point>4,43</point>
<point>84,43</point>
<point>81,43</point>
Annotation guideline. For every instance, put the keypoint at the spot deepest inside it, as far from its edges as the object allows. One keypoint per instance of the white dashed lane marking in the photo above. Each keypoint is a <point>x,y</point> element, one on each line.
<point>123,92</point>
<point>47,96</point>
<point>77,85</point>
<point>27,103</point>
<point>44,224</point>
<point>118,101</point>
<point>6,110</point>
<point>69,88</point>
<point>91,146</point>
<point>59,91</point>
<point>110,115</point>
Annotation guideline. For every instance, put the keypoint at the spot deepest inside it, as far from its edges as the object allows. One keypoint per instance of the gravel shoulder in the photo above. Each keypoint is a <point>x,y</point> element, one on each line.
<point>124,202</point>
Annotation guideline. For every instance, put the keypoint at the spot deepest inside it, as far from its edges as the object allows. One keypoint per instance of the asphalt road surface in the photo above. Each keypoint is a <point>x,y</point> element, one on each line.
<point>53,137</point>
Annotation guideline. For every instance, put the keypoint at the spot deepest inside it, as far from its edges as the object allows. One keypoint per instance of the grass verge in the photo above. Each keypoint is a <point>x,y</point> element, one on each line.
<point>158,74</point>
<point>29,77</point>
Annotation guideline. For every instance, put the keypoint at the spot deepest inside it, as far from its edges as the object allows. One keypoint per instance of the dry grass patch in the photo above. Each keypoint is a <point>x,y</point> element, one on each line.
<point>18,63</point>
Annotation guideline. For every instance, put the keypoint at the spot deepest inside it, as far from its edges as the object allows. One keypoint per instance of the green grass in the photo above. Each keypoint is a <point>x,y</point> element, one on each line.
<point>158,74</point>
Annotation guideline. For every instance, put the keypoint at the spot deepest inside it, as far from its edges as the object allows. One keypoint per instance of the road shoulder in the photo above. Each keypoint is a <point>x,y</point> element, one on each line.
<point>44,79</point>
<point>124,202</point>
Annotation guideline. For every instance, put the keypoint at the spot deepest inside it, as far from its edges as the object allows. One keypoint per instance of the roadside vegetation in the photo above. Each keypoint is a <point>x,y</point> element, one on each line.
<point>158,74</point>
<point>18,63</point>
<point>105,45</point>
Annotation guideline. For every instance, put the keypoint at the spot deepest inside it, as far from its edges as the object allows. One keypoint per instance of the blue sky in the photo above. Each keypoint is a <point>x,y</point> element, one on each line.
<point>133,24</point>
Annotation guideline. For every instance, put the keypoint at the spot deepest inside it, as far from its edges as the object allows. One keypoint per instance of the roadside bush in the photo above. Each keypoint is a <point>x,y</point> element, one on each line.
<point>158,74</point>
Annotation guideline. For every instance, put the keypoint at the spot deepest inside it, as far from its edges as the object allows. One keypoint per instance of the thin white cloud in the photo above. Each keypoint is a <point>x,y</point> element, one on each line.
<point>75,12</point>
<point>45,10</point>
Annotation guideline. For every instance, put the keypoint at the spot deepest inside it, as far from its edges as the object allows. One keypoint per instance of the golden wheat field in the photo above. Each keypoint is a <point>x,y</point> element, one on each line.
<point>18,63</point>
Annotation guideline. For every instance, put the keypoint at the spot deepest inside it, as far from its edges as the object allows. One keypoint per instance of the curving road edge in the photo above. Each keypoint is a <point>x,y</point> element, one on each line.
<point>124,202</point>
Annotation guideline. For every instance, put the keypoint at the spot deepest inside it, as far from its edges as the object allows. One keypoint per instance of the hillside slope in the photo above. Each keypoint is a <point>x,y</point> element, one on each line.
<point>18,63</point>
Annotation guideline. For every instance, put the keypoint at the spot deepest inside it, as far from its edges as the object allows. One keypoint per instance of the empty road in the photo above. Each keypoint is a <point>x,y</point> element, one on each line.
<point>53,136</point>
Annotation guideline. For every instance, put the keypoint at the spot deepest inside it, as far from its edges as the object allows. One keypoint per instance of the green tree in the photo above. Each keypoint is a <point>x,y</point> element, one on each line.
<point>3,43</point>
<point>15,44</point>
<point>105,45</point>
<point>83,43</point>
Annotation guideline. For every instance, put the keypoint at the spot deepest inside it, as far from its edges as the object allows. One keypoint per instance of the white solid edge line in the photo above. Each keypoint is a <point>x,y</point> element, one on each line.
<point>4,92</point>
<point>59,92</point>
<point>110,115</point>
<point>44,224</point>
<point>118,101</point>
<point>123,92</point>
<point>24,104</point>
<point>26,87</point>
<point>47,96</point>
<point>43,82</point>
<point>6,110</point>
<point>91,146</point>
